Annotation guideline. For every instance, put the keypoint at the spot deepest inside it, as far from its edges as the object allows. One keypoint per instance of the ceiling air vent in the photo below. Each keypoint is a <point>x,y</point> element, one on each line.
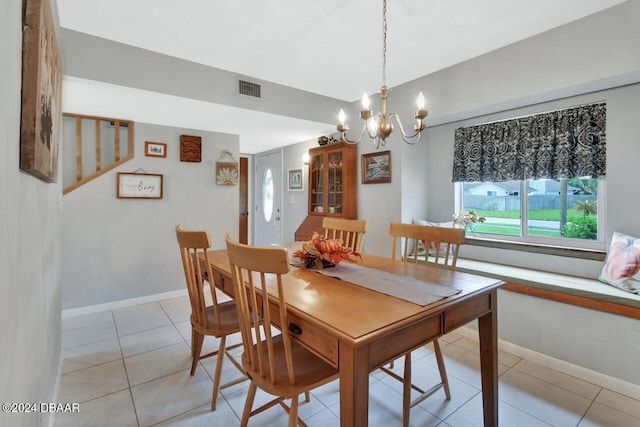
<point>250,89</point>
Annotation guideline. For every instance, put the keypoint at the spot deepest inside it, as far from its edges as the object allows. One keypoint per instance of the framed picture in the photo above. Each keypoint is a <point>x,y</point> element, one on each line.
<point>295,180</point>
<point>155,149</point>
<point>41,93</point>
<point>376,167</point>
<point>190,148</point>
<point>132,185</point>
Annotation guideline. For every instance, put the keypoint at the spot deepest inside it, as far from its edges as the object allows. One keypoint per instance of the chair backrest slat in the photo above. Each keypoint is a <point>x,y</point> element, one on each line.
<point>257,271</point>
<point>442,244</point>
<point>350,231</point>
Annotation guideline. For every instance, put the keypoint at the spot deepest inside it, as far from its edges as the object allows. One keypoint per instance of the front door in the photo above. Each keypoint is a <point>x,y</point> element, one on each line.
<point>268,196</point>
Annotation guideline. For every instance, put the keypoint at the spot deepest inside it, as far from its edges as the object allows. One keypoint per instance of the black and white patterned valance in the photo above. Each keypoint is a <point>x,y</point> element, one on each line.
<point>567,143</point>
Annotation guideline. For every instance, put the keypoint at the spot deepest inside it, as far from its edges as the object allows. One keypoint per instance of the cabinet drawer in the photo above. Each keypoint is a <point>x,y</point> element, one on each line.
<point>314,339</point>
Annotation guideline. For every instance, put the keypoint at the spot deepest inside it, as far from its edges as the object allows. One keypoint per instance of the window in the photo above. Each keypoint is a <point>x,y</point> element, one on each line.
<point>267,195</point>
<point>526,176</point>
<point>558,212</point>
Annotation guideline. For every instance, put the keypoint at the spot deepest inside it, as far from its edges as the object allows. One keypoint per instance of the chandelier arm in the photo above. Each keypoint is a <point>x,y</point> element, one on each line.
<point>343,136</point>
<point>408,138</point>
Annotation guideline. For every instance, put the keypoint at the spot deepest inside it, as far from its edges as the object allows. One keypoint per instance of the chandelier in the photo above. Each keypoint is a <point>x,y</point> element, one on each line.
<point>378,127</point>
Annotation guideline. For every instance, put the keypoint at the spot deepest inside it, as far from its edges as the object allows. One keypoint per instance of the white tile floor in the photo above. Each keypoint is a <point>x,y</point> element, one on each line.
<point>130,367</point>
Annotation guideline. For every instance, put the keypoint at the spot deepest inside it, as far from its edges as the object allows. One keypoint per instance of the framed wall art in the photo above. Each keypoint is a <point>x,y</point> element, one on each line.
<point>190,148</point>
<point>41,93</point>
<point>376,167</point>
<point>155,149</point>
<point>295,180</point>
<point>136,185</point>
<point>226,171</point>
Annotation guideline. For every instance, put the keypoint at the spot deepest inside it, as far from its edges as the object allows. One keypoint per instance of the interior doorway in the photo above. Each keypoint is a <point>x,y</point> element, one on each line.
<point>243,220</point>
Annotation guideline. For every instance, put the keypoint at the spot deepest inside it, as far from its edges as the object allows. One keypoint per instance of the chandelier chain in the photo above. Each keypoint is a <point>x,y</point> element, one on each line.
<point>384,42</point>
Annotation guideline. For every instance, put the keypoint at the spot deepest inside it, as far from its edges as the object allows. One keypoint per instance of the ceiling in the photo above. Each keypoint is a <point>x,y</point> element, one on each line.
<point>329,47</point>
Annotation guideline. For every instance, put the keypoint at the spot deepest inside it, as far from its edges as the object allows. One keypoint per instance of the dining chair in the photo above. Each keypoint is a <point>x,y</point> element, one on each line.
<point>351,231</point>
<point>274,361</point>
<point>218,319</point>
<point>441,250</point>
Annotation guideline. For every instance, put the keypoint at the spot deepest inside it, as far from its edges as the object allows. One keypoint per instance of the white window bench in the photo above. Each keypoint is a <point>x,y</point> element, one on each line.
<point>584,292</point>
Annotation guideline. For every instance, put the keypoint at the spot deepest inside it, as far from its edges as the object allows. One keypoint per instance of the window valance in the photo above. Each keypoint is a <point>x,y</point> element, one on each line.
<point>566,143</point>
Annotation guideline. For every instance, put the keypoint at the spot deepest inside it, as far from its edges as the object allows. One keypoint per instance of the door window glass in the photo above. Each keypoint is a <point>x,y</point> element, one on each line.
<point>267,195</point>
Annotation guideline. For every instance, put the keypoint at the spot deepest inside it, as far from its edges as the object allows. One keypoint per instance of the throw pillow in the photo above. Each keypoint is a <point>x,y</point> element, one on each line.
<point>622,267</point>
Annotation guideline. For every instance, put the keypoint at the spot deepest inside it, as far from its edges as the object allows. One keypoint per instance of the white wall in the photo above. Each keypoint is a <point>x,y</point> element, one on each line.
<point>29,251</point>
<point>116,249</point>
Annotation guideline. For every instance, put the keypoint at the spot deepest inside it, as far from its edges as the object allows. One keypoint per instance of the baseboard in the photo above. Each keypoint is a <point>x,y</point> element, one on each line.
<point>593,377</point>
<point>72,312</point>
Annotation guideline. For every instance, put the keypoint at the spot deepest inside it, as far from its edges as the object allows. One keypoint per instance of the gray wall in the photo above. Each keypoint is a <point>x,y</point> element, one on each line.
<point>116,249</point>
<point>29,251</point>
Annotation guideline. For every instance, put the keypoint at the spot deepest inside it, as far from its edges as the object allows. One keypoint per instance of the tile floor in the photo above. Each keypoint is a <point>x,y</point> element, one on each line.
<point>130,367</point>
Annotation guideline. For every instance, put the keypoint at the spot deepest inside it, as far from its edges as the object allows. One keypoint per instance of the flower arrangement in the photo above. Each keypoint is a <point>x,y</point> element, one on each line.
<point>320,252</point>
<point>468,218</point>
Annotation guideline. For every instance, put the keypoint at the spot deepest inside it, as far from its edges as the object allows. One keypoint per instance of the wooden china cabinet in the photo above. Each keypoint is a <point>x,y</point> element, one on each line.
<point>333,171</point>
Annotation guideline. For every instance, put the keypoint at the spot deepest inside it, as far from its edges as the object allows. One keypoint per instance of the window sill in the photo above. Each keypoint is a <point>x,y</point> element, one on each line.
<point>589,254</point>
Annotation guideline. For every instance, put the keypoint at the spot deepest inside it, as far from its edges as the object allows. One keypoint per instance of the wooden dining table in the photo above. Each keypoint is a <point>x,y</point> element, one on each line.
<point>357,329</point>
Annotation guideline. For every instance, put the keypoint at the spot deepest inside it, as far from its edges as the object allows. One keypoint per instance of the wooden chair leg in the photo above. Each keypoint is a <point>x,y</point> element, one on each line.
<point>216,375</point>
<point>293,412</point>
<point>196,347</point>
<point>406,391</point>
<point>442,369</point>
<point>251,394</point>
<point>307,397</point>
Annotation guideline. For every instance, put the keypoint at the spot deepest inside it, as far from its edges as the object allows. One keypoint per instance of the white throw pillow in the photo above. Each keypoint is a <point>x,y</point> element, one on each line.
<point>622,267</point>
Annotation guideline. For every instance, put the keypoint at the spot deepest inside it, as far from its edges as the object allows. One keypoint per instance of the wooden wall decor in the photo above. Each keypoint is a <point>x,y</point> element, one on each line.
<point>190,148</point>
<point>226,172</point>
<point>41,93</point>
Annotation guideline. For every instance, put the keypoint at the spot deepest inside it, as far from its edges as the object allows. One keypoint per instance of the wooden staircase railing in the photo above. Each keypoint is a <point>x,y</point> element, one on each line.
<point>99,145</point>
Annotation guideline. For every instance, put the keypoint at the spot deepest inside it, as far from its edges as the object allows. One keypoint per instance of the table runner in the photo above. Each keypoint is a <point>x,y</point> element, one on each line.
<point>407,288</point>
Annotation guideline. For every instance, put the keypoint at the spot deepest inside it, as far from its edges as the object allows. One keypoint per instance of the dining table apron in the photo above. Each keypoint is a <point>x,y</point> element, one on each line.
<point>358,330</point>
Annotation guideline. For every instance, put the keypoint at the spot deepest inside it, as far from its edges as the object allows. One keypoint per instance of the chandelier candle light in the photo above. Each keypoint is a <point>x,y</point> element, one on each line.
<point>379,126</point>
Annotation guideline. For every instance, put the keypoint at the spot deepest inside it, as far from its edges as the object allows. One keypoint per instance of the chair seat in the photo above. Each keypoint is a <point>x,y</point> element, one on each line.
<point>228,320</point>
<point>310,371</point>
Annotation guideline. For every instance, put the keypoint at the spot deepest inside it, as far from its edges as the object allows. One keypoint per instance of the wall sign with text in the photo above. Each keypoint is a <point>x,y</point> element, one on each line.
<point>139,185</point>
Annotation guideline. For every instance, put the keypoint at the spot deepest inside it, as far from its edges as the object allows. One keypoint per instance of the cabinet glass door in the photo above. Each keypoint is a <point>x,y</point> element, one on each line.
<point>317,185</point>
<point>334,182</point>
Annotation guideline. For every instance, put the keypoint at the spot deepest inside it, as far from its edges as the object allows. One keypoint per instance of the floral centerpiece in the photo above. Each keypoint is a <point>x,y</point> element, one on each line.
<point>320,252</point>
<point>468,219</point>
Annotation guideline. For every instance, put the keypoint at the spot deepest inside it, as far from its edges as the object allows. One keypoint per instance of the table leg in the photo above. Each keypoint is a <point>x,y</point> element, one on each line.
<point>354,386</point>
<point>488,331</point>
